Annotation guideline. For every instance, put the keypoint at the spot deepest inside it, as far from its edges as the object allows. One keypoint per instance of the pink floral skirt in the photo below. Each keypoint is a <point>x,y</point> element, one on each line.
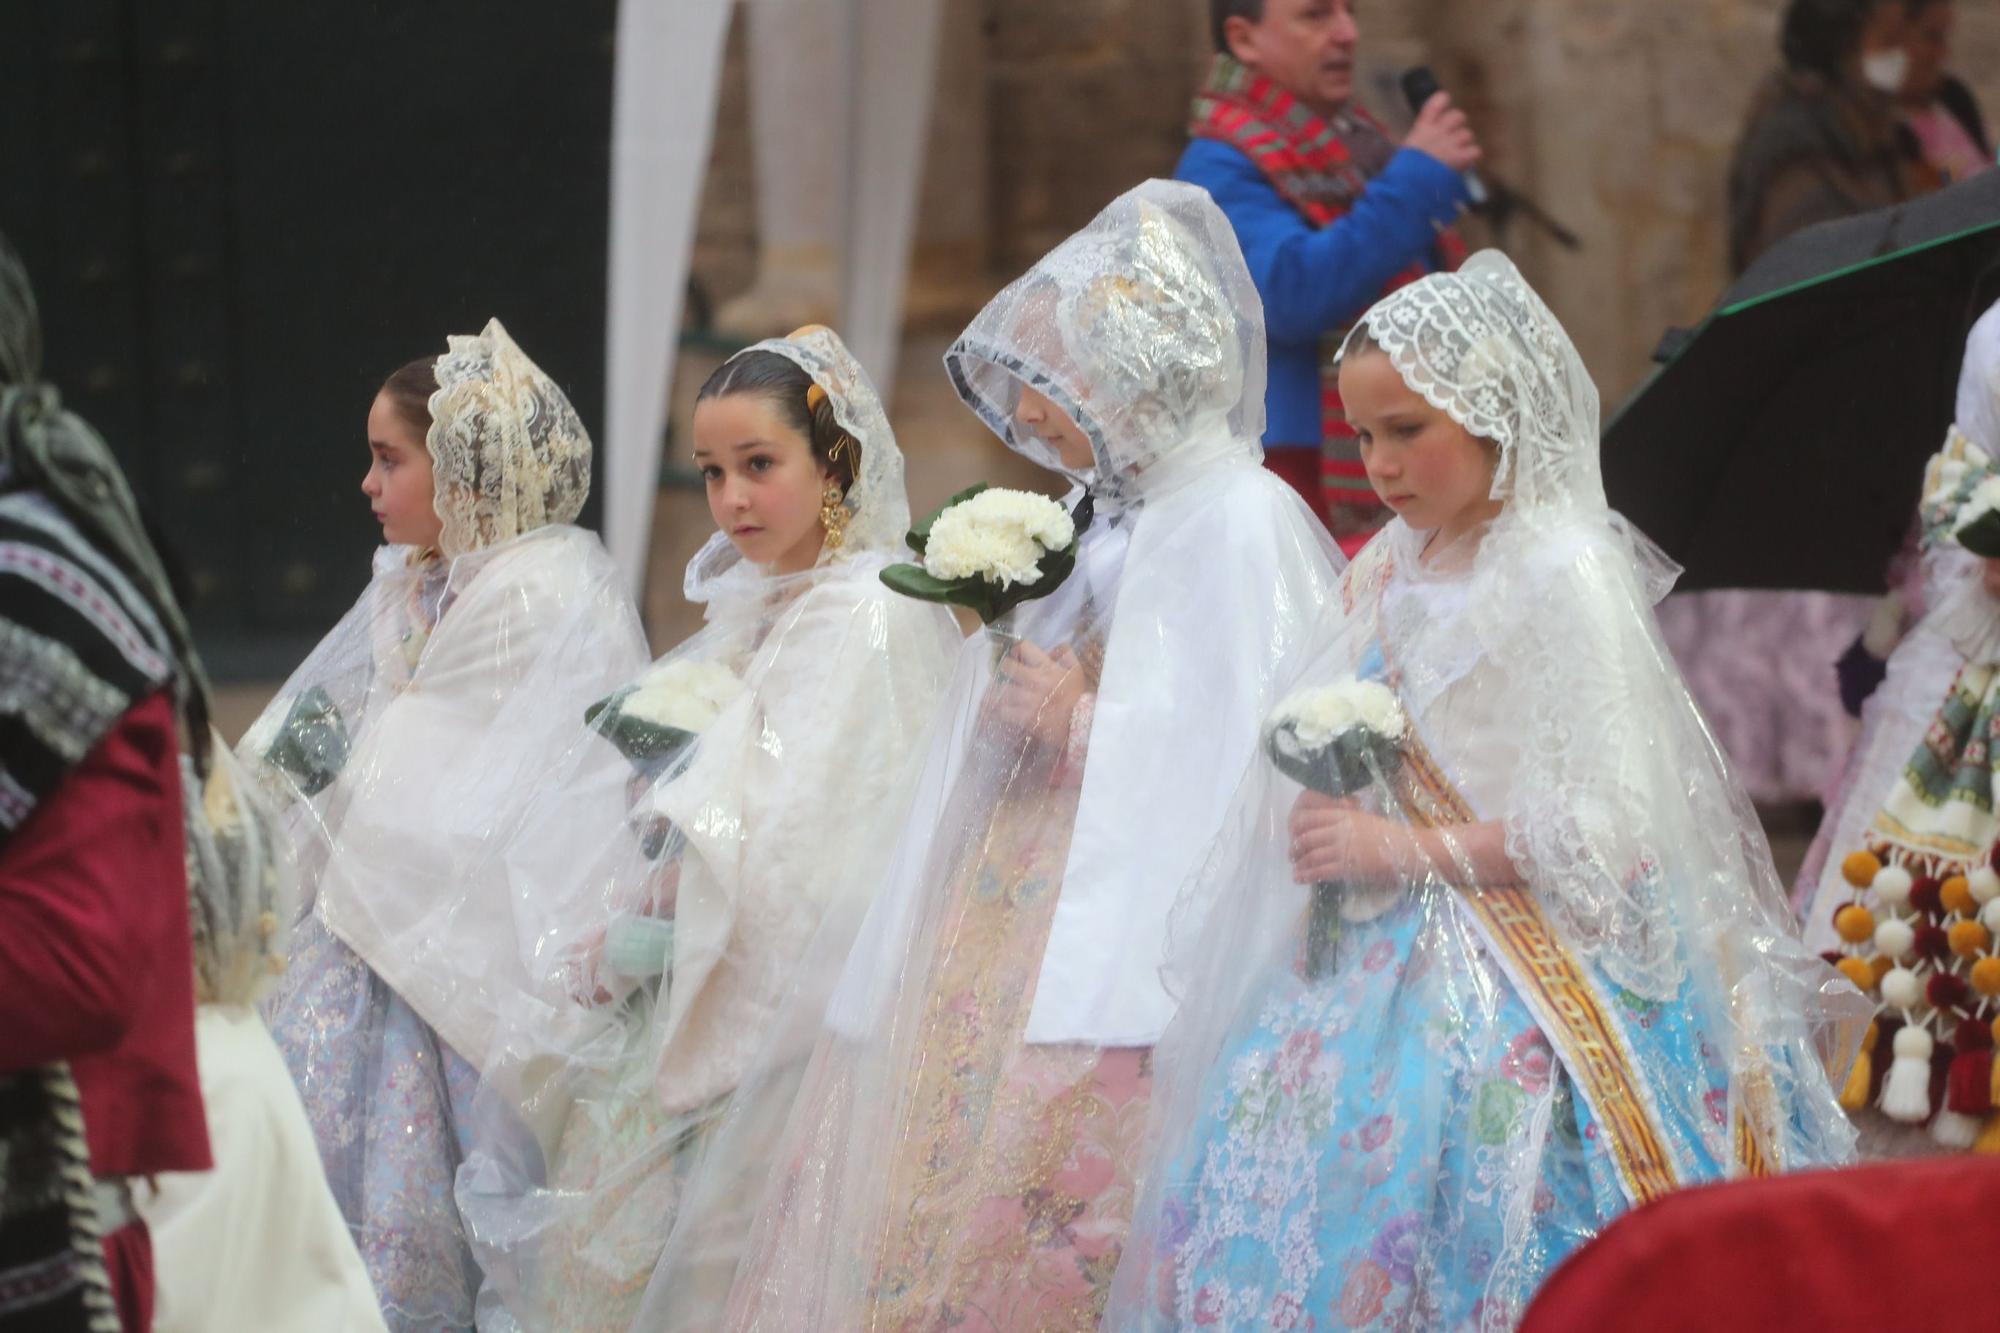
<point>1000,1175</point>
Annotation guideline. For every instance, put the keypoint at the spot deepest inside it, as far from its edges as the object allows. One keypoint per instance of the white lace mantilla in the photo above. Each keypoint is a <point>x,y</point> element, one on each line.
<point>1558,606</point>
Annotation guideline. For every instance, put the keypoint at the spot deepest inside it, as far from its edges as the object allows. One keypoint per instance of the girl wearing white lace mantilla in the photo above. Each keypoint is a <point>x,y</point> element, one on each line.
<point>963,1150</point>
<point>408,746</point>
<point>1543,970</point>
<point>766,758</point>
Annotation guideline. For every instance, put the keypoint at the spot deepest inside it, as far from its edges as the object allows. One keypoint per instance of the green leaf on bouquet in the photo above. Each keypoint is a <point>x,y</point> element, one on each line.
<point>312,744</point>
<point>918,582</point>
<point>1347,765</point>
<point>1982,535</point>
<point>650,747</point>
<point>1056,566</point>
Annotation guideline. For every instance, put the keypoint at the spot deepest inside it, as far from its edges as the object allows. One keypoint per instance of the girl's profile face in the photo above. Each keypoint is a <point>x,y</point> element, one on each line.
<point>1430,470</point>
<point>765,488</point>
<point>1042,418</point>
<point>399,485</point>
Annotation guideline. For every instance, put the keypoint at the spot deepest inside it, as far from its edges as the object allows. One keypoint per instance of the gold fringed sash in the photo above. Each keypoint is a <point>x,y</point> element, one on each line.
<point>1562,994</point>
<point>1564,998</point>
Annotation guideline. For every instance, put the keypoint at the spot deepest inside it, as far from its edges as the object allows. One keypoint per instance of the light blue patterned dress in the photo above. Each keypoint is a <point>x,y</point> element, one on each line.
<point>1395,1145</point>
<point>389,1104</point>
<point>387,1098</point>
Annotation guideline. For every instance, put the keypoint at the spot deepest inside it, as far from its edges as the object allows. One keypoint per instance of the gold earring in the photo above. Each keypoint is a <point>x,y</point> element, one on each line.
<point>833,515</point>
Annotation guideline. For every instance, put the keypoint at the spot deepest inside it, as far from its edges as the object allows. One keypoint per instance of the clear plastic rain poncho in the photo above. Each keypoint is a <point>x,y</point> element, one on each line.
<point>973,1098</point>
<point>1562,978</point>
<point>764,761</point>
<point>407,749</point>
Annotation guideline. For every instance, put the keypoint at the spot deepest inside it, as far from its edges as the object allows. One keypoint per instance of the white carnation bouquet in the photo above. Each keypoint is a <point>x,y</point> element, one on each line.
<point>991,549</point>
<point>1339,740</point>
<point>654,719</point>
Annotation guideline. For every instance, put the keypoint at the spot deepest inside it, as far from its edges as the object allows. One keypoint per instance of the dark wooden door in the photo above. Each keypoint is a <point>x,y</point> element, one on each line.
<point>241,215</point>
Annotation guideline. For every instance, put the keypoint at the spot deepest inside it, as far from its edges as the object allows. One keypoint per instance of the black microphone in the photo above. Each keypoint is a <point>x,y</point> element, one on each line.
<point>1420,86</point>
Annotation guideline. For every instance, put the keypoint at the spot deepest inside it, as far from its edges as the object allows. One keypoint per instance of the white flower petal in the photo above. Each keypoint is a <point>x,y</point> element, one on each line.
<point>1316,716</point>
<point>686,694</point>
<point>999,536</point>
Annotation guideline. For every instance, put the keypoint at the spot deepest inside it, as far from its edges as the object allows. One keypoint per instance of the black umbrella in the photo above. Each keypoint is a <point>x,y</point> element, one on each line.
<point>1782,443</point>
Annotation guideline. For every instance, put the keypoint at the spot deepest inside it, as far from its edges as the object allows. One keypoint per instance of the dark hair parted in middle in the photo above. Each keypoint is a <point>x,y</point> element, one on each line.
<point>784,383</point>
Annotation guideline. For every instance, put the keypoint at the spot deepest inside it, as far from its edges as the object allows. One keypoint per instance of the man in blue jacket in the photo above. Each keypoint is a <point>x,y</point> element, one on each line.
<point>1331,214</point>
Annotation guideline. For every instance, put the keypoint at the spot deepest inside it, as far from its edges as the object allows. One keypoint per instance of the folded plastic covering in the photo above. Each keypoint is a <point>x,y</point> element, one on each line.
<point>754,773</point>
<point>969,1053</point>
<point>1553,974</point>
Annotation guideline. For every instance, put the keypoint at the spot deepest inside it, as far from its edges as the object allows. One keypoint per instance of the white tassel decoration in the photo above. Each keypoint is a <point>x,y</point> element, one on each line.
<point>1906,1093</point>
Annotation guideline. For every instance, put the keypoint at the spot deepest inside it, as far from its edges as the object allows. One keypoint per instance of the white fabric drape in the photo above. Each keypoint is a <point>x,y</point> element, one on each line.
<point>285,1262</point>
<point>664,84</point>
<point>669,68</point>
<point>895,62</point>
<point>823,683</point>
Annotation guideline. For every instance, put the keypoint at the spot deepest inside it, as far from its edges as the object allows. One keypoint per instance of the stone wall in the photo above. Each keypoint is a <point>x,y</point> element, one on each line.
<point>1620,116</point>
<point>1088,97</point>
<point>1617,115</point>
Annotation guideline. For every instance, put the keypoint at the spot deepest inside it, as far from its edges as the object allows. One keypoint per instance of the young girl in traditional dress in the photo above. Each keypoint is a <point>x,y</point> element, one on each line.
<point>963,1149</point>
<point>1545,970</point>
<point>410,743</point>
<point>1906,853</point>
<point>774,745</point>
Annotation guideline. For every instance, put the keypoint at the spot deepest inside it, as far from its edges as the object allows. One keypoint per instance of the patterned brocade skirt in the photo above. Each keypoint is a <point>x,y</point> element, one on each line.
<point>1397,1146</point>
<point>1010,1168</point>
<point>389,1103</point>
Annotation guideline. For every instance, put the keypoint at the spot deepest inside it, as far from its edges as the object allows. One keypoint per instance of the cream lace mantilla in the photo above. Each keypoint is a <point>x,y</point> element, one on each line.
<point>508,451</point>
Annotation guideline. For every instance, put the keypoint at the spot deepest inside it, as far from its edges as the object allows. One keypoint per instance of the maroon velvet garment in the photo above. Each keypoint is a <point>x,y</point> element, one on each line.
<point>99,965</point>
<point>1890,1246</point>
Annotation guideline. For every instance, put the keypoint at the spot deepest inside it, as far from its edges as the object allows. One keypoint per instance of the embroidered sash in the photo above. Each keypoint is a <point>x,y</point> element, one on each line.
<point>1565,996</point>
